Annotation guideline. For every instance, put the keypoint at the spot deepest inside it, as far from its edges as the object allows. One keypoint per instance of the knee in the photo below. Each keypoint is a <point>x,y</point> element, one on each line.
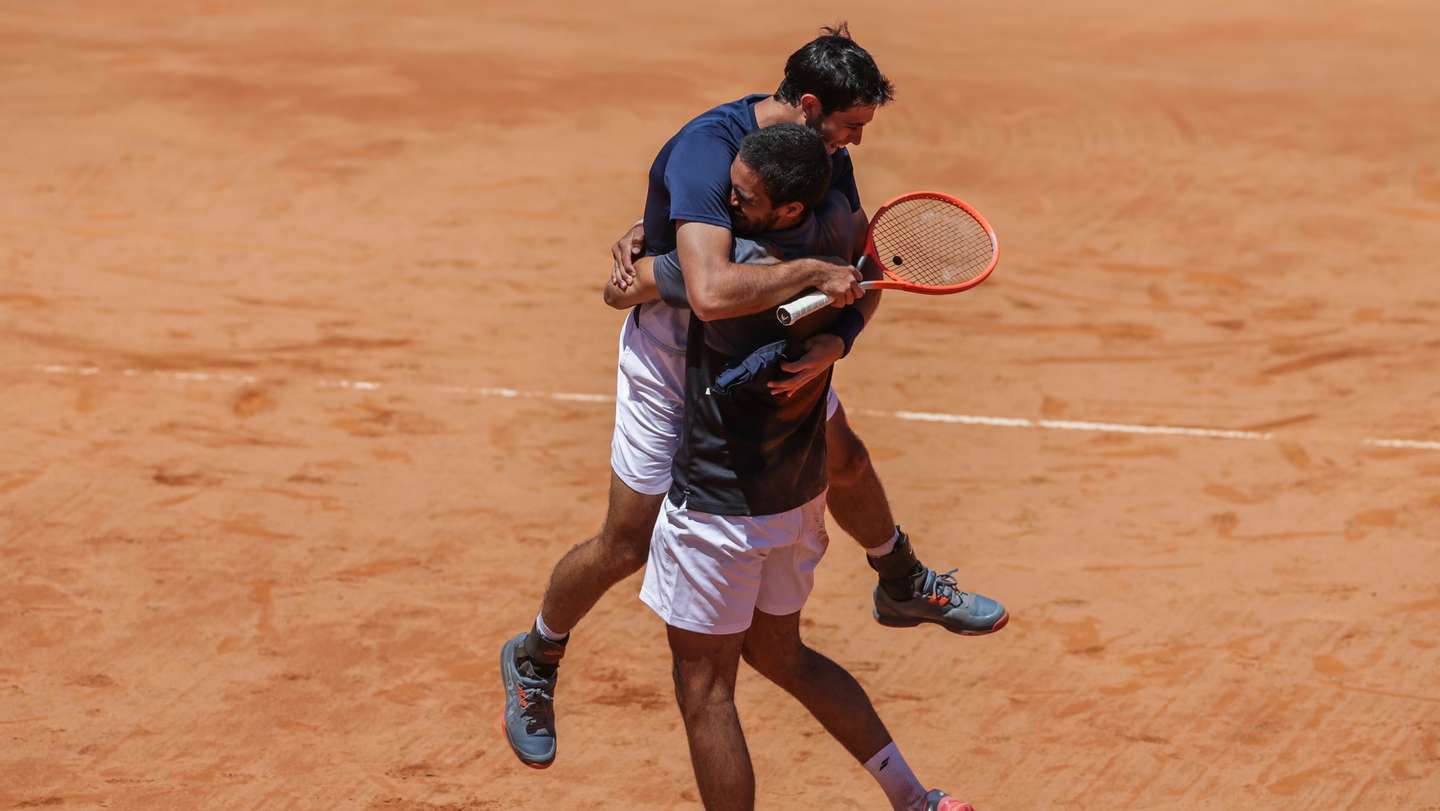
<point>699,690</point>
<point>626,545</point>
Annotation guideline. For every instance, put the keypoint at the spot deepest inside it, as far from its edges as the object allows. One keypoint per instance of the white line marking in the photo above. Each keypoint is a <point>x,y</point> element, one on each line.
<point>961,419</point>
<point>908,416</point>
<point>1402,443</point>
<point>1216,433</point>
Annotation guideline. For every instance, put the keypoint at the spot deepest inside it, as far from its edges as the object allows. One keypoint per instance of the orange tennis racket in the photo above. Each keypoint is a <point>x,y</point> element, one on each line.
<point>924,242</point>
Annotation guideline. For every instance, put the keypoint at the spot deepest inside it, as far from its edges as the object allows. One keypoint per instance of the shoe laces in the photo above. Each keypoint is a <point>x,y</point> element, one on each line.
<point>536,690</point>
<point>940,589</point>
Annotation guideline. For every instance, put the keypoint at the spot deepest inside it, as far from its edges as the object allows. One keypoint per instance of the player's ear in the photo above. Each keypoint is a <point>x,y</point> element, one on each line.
<point>813,109</point>
<point>790,211</point>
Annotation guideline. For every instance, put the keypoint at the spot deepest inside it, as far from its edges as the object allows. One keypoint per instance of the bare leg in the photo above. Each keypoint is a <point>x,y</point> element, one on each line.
<point>705,666</point>
<point>857,498</point>
<point>591,568</point>
<point>529,663</point>
<point>909,593</point>
<point>773,647</point>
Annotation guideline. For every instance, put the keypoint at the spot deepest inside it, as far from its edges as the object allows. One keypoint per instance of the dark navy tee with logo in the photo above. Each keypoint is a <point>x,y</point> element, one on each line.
<point>749,452</point>
<point>690,178</point>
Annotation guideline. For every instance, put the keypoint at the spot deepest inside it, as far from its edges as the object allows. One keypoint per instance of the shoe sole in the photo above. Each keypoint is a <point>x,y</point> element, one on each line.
<point>907,622</point>
<point>505,730</point>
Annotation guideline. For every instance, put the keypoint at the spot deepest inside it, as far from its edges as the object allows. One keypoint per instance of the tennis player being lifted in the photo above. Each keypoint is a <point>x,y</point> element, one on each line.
<point>833,86</point>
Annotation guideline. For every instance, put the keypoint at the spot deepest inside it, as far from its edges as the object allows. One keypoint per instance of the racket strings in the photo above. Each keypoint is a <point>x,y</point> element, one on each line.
<point>932,242</point>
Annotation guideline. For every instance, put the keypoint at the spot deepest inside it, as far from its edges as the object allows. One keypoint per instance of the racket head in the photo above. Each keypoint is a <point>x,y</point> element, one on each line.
<point>931,242</point>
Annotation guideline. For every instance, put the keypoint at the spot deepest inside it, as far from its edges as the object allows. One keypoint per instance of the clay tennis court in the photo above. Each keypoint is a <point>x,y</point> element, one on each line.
<point>305,372</point>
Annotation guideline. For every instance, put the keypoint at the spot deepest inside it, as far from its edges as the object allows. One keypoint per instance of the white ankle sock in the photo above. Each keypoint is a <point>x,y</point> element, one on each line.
<point>885,548</point>
<point>546,632</point>
<point>901,786</point>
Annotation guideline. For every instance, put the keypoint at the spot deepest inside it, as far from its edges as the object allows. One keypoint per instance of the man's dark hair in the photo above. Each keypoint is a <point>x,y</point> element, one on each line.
<point>791,161</point>
<point>835,70</point>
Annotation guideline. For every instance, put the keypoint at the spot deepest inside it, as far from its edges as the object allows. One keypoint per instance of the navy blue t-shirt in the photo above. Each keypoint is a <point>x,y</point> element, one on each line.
<point>690,178</point>
<point>750,452</point>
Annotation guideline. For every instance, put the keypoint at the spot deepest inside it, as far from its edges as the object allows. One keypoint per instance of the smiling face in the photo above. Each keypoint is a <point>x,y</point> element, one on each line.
<point>839,128</point>
<point>752,211</point>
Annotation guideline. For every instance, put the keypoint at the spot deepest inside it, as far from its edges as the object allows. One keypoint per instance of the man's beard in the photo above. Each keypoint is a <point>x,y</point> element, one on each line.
<point>740,226</point>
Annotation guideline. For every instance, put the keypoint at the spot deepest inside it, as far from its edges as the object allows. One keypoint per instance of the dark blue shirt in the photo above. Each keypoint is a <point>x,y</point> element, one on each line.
<point>750,452</point>
<point>690,178</point>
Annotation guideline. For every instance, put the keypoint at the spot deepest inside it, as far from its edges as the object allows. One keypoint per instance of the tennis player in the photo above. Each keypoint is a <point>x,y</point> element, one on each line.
<point>833,86</point>
<point>733,556</point>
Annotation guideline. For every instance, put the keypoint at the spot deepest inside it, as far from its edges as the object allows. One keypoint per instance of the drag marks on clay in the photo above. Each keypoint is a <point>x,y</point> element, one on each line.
<point>1362,523</point>
<point>370,419</point>
<point>210,435</point>
<point>1313,360</point>
<point>620,691</point>
<point>398,804</point>
<point>252,400</point>
<point>12,480</point>
<point>42,802</point>
<point>377,568</point>
<point>249,525</point>
<point>326,503</point>
<point>183,476</point>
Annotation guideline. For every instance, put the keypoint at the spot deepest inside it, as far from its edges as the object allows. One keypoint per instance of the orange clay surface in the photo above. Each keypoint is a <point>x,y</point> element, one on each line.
<point>265,520</point>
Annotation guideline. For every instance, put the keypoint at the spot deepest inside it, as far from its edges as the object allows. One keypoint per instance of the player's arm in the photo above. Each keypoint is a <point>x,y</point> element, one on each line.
<point>639,288</point>
<point>624,252</point>
<point>720,288</point>
<point>659,278</point>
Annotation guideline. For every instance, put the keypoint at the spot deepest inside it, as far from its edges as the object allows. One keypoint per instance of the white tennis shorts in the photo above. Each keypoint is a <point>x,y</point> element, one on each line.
<point>709,573</point>
<point>650,402</point>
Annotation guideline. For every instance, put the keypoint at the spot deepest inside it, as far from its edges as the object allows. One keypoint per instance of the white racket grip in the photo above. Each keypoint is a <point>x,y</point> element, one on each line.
<point>796,309</point>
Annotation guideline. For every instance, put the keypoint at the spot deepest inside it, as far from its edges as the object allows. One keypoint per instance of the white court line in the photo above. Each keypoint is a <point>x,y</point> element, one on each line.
<point>1402,443</point>
<point>907,416</point>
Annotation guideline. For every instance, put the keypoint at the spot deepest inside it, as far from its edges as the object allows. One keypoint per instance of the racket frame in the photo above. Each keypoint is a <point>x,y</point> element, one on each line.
<point>892,282</point>
<point>804,305</point>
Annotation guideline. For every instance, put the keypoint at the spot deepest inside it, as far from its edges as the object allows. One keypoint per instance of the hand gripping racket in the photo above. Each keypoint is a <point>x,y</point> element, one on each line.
<point>924,242</point>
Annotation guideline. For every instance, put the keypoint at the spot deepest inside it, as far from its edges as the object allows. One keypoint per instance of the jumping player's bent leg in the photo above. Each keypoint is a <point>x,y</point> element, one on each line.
<point>529,663</point>
<point>909,593</point>
<point>857,498</point>
<point>591,568</point>
<point>648,412</point>
<point>704,670</point>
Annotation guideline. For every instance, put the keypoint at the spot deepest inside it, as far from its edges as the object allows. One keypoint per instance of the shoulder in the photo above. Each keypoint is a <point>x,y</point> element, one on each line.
<point>725,124</point>
<point>835,215</point>
<point>702,149</point>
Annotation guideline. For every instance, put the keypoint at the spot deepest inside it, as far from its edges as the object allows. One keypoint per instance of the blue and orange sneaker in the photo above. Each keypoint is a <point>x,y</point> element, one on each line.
<point>938,800</point>
<point>529,718</point>
<point>937,599</point>
<point>910,593</point>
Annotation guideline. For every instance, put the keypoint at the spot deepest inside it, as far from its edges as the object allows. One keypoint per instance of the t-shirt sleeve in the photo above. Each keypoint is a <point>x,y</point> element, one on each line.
<point>698,179</point>
<point>842,179</point>
<point>670,281</point>
<point>748,250</point>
